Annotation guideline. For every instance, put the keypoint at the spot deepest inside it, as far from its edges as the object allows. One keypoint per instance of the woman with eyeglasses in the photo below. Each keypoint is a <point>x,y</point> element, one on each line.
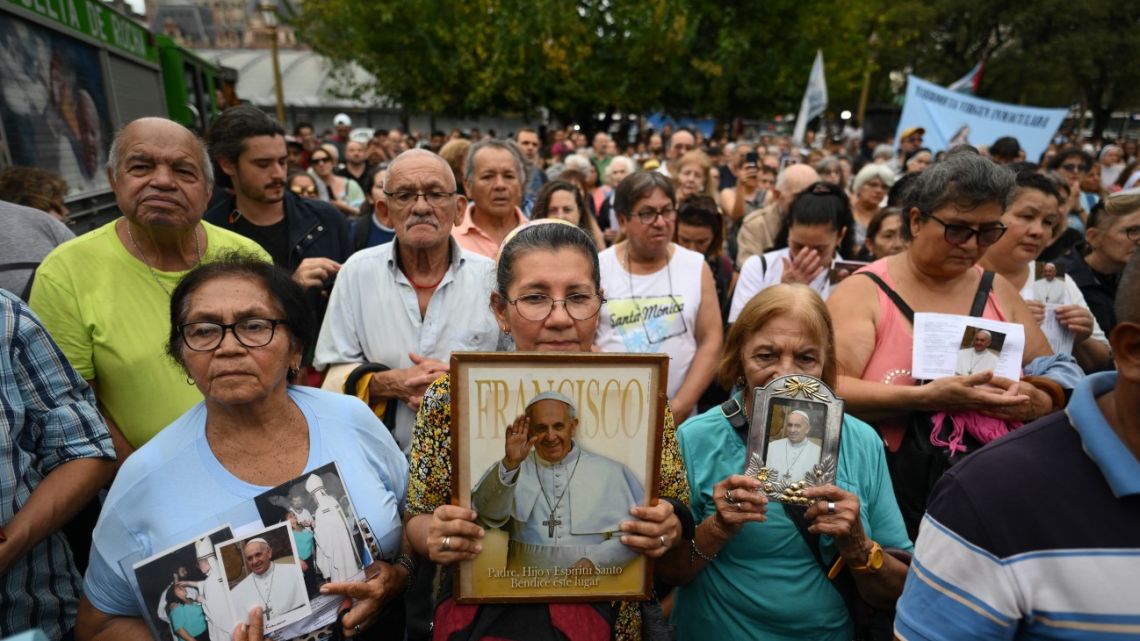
<point>661,297</point>
<point>344,194</point>
<point>953,214</point>
<point>1111,238</point>
<point>547,298</point>
<point>817,236</point>
<point>239,327</point>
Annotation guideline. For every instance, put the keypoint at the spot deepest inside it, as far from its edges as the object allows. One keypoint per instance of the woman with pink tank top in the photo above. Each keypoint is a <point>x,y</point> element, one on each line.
<point>953,213</point>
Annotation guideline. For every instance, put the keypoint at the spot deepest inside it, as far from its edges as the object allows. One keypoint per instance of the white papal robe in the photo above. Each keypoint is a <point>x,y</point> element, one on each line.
<point>971,361</point>
<point>277,591</point>
<point>335,553</point>
<point>585,523</point>
<point>792,460</point>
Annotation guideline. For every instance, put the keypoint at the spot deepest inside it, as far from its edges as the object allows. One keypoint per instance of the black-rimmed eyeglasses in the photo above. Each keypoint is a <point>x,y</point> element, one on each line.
<point>206,336</point>
<point>648,216</point>
<point>956,234</point>
<point>537,307</point>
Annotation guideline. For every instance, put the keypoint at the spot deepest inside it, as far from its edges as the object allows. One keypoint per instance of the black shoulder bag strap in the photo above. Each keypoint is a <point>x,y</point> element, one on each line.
<point>983,293</point>
<point>893,295</point>
<point>978,307</point>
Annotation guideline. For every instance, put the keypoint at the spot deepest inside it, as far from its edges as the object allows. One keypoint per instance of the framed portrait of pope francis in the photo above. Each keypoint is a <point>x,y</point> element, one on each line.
<point>551,451</point>
<point>793,437</point>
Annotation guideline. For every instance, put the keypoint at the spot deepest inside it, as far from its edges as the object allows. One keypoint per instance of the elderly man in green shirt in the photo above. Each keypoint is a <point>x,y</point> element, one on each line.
<point>105,296</point>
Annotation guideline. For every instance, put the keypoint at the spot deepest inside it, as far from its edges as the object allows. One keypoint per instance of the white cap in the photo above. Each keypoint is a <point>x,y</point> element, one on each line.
<point>342,119</point>
<point>314,483</point>
<point>204,548</point>
<point>554,396</point>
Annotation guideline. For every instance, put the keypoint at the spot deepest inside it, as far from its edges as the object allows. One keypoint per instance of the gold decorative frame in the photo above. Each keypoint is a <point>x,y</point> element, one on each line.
<point>799,392</point>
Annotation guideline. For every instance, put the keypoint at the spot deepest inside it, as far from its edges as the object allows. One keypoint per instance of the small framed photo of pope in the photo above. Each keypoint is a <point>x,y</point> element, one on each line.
<point>262,570</point>
<point>793,437</point>
<point>551,451</point>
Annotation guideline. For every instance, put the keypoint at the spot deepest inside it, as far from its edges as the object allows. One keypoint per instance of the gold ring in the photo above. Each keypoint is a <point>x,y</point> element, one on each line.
<point>446,546</point>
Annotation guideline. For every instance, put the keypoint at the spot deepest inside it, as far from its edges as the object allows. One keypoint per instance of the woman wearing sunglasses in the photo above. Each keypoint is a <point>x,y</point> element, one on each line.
<point>346,195</point>
<point>953,213</point>
<point>303,185</point>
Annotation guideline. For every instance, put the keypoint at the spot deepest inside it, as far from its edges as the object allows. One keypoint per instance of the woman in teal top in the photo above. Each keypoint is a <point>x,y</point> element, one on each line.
<point>752,574</point>
<point>186,616</point>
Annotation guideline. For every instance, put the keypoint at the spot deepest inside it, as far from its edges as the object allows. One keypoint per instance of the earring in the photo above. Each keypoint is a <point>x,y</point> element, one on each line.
<point>507,331</point>
<point>189,381</point>
<point>293,371</point>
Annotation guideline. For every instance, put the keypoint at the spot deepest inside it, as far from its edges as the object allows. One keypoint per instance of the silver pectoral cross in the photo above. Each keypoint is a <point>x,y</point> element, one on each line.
<point>551,524</point>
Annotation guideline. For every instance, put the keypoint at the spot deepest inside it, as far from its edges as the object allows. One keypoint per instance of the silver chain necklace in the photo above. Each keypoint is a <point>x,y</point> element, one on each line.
<point>153,273</point>
<point>553,522</point>
<point>788,466</point>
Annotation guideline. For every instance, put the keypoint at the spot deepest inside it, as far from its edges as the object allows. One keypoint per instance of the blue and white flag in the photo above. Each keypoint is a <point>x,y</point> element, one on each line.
<point>815,99</point>
<point>951,118</point>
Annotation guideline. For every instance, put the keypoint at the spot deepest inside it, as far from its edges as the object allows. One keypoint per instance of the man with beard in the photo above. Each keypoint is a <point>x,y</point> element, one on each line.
<point>308,237</point>
<point>401,308</point>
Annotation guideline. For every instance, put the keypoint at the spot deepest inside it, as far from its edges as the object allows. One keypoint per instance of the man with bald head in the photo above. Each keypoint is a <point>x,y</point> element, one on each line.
<point>408,304</point>
<point>276,590</point>
<point>1055,503</point>
<point>105,296</point>
<point>759,229</point>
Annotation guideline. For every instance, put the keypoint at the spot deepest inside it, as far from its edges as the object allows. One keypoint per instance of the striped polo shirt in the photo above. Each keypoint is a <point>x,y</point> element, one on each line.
<point>1036,536</point>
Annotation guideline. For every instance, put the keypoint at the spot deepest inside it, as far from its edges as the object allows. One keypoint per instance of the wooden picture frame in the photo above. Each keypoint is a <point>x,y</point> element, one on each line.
<point>793,437</point>
<point>619,400</point>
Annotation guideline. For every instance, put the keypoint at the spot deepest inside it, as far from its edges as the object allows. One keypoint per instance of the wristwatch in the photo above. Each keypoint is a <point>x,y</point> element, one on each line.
<point>874,560</point>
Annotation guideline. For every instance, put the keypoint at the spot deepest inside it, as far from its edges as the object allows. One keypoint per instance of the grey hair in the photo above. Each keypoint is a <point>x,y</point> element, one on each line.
<point>115,160</point>
<point>871,171</point>
<point>578,162</point>
<point>964,179</point>
<point>624,160</point>
<point>639,185</point>
<point>885,152</point>
<point>494,143</point>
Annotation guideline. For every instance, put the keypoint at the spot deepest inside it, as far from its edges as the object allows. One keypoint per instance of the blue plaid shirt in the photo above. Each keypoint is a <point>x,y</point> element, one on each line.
<point>47,418</point>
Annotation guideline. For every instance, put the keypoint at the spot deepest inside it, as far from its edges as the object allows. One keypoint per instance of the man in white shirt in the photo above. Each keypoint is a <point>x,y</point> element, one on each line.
<point>794,456</point>
<point>274,589</point>
<point>408,304</point>
<point>978,357</point>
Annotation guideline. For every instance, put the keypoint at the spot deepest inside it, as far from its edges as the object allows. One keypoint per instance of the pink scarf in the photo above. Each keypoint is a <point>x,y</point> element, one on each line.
<point>983,428</point>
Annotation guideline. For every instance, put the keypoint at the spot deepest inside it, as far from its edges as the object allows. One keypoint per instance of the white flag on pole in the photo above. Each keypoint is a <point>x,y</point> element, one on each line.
<point>815,98</point>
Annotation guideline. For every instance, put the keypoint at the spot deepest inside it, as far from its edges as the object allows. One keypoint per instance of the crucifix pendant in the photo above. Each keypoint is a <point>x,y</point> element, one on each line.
<point>551,524</point>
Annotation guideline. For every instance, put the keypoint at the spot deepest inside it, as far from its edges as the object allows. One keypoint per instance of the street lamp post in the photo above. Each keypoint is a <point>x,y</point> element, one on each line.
<point>269,17</point>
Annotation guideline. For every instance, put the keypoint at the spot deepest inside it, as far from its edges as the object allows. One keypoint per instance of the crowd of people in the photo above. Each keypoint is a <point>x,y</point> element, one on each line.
<point>271,302</point>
